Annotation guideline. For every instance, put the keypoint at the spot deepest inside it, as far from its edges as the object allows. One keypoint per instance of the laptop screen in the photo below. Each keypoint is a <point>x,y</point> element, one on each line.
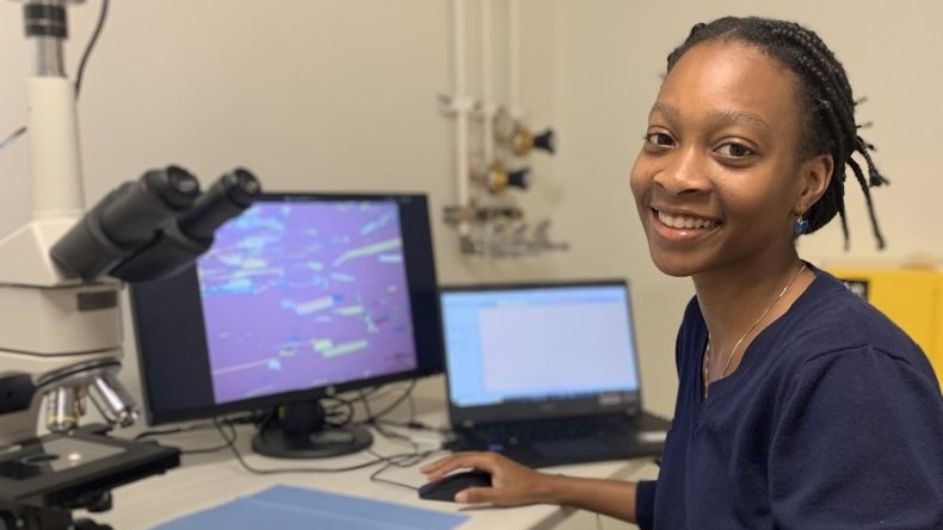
<point>538,343</point>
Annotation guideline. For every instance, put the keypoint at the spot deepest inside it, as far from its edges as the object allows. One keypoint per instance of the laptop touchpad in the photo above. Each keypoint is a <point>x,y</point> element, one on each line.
<point>570,446</point>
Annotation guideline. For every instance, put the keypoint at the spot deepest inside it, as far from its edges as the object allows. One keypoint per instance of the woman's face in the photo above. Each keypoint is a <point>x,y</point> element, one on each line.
<point>717,180</point>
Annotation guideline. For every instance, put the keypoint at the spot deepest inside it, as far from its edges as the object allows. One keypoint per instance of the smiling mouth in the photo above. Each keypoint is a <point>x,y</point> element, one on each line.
<point>685,222</point>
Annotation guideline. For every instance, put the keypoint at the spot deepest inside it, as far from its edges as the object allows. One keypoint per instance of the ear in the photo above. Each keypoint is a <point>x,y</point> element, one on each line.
<point>814,176</point>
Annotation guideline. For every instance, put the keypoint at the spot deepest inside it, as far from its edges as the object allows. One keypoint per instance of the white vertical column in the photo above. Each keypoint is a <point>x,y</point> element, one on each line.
<point>461,106</point>
<point>55,165</point>
<point>514,95</point>
<point>487,91</point>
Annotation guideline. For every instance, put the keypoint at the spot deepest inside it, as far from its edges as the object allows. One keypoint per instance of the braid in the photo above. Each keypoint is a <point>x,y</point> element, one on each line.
<point>826,93</point>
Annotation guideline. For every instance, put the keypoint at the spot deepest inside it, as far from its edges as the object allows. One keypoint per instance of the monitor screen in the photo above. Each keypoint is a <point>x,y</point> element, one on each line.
<point>300,296</point>
<point>519,344</point>
<point>306,294</point>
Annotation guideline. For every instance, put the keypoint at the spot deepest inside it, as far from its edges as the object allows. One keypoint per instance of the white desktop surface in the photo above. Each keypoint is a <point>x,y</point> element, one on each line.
<point>207,480</point>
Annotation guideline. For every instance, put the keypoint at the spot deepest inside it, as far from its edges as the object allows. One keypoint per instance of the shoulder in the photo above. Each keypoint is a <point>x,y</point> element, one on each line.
<point>830,318</point>
<point>692,334</point>
<point>830,327</point>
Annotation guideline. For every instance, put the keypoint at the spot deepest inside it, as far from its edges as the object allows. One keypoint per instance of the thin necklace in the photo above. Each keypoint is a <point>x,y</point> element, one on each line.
<point>707,351</point>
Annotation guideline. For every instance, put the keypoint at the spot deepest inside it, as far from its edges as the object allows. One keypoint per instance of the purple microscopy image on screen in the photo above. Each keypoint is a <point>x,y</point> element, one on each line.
<point>306,294</point>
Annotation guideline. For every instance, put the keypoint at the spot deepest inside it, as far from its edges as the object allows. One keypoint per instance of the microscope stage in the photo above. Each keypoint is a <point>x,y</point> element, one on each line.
<point>65,470</point>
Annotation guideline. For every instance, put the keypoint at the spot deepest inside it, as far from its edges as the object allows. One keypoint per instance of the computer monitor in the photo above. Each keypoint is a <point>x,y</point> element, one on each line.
<point>300,297</point>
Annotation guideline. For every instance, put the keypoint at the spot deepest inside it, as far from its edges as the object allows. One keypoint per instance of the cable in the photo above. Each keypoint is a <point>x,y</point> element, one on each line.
<point>228,442</point>
<point>173,430</point>
<point>372,418</point>
<point>12,137</point>
<point>252,417</point>
<point>407,461</point>
<point>344,404</point>
<point>231,443</point>
<point>415,425</point>
<point>80,73</point>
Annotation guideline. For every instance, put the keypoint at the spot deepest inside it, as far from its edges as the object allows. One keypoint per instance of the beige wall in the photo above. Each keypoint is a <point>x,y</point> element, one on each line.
<point>610,55</point>
<point>323,95</point>
<point>340,95</point>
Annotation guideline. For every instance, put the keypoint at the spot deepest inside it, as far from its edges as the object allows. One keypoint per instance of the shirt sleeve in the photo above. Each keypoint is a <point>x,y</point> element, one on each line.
<point>645,504</point>
<point>858,444</point>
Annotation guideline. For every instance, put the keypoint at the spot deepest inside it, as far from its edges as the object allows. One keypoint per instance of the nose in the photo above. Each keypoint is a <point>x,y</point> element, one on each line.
<point>685,173</point>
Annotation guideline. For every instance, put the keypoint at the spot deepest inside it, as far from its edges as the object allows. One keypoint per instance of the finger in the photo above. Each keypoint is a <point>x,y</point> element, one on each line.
<point>428,468</point>
<point>439,467</point>
<point>477,496</point>
<point>477,460</point>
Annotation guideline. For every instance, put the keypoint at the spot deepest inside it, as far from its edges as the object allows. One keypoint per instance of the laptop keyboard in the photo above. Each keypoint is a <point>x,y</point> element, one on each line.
<point>516,432</point>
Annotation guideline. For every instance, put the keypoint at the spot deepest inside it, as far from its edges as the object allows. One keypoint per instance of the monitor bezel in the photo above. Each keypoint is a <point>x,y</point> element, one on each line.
<point>424,304</point>
<point>629,402</point>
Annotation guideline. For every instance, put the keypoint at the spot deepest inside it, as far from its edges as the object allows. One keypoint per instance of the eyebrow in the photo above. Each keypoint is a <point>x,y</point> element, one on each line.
<point>720,115</point>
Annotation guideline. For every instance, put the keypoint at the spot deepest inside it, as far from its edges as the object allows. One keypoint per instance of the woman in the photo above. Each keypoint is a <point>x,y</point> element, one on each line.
<point>799,405</point>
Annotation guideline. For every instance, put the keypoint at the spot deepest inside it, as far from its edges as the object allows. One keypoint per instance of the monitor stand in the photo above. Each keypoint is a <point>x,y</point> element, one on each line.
<point>301,432</point>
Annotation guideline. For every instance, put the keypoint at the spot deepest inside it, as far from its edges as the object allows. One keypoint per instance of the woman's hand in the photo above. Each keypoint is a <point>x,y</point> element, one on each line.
<point>511,483</point>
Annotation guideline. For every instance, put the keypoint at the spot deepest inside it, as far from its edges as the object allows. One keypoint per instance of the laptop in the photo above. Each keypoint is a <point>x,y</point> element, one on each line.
<point>546,374</point>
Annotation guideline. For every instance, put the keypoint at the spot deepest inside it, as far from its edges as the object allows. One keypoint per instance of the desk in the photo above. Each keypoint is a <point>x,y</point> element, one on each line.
<point>208,480</point>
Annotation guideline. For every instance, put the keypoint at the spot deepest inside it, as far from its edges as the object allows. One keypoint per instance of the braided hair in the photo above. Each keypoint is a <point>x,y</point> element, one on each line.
<point>826,94</point>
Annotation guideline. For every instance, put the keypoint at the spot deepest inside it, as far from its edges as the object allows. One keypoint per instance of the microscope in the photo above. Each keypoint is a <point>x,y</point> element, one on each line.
<point>60,280</point>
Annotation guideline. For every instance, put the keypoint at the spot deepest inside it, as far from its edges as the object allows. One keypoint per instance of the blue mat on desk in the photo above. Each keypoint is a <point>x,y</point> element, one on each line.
<point>291,508</point>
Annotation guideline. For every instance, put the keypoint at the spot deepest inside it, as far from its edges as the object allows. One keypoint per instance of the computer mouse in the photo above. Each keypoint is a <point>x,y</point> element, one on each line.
<point>446,487</point>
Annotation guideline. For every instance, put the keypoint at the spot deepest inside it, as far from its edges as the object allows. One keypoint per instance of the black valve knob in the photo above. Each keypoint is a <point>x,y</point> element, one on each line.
<point>546,141</point>
<point>519,178</point>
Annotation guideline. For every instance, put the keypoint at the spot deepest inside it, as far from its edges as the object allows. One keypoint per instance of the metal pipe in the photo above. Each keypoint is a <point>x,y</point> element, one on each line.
<point>514,16</point>
<point>48,59</point>
<point>460,103</point>
<point>487,93</point>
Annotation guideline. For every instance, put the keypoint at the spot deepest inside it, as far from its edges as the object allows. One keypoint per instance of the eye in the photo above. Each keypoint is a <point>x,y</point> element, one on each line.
<point>734,150</point>
<point>659,139</point>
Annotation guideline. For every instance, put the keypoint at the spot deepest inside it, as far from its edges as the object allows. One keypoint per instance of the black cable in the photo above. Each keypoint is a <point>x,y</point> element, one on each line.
<point>80,73</point>
<point>238,420</point>
<point>368,414</point>
<point>346,407</point>
<point>275,471</point>
<point>372,418</point>
<point>412,407</point>
<point>12,137</point>
<point>172,430</point>
<point>395,436</point>
<point>415,425</point>
<point>407,461</point>
<point>228,442</point>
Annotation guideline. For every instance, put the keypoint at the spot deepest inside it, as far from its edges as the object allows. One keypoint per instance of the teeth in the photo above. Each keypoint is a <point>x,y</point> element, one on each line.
<point>684,221</point>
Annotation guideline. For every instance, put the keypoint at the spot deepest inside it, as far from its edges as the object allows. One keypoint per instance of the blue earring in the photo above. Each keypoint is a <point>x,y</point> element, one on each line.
<point>801,225</point>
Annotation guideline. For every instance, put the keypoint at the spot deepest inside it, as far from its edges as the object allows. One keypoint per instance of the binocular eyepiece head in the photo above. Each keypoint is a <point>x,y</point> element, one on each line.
<point>147,228</point>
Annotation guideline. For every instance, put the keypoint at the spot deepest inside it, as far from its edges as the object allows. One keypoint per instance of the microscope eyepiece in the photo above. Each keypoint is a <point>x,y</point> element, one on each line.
<point>226,198</point>
<point>182,187</point>
<point>140,207</point>
<point>124,221</point>
<point>246,187</point>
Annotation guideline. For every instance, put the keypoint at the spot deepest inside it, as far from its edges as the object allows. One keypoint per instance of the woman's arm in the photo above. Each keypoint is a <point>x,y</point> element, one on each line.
<point>514,484</point>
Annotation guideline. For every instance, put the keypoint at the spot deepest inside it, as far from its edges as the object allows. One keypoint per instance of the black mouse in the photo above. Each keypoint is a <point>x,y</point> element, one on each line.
<point>446,487</point>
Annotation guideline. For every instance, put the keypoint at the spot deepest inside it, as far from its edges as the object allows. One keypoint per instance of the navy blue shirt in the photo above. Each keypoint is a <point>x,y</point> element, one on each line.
<point>833,420</point>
